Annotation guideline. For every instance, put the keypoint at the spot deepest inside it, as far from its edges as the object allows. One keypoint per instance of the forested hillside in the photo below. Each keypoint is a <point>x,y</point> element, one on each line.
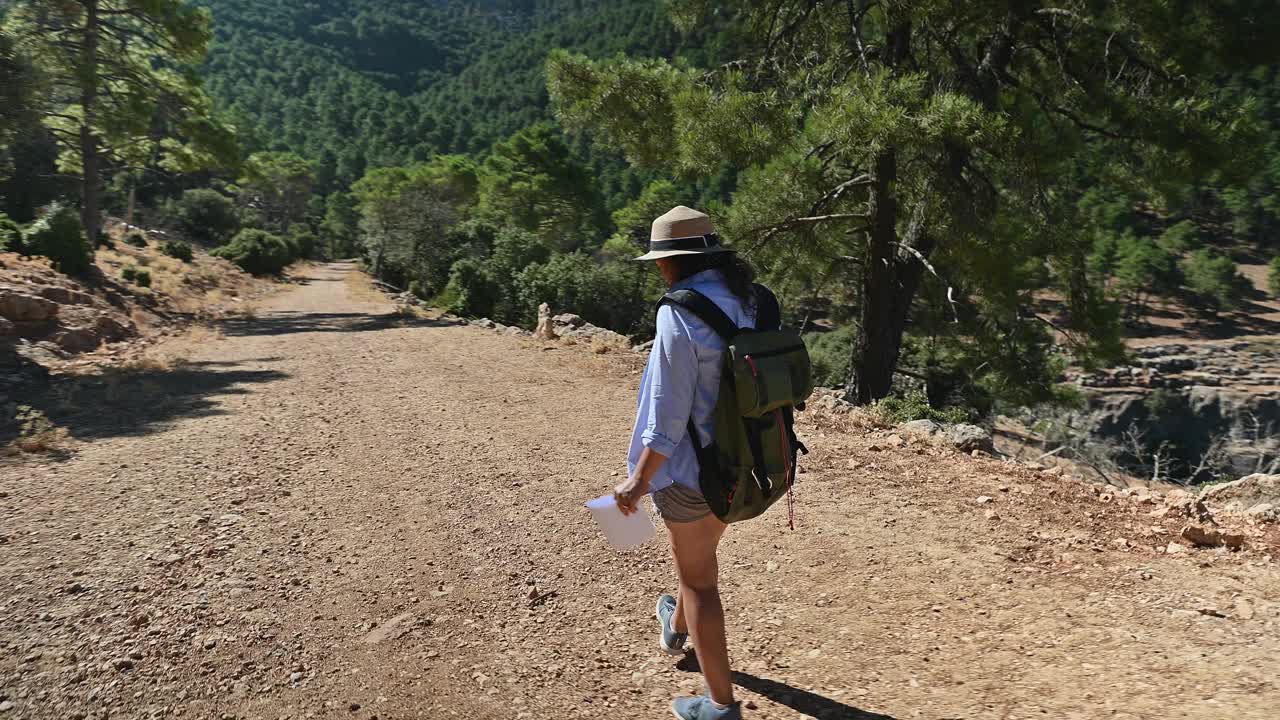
<point>355,85</point>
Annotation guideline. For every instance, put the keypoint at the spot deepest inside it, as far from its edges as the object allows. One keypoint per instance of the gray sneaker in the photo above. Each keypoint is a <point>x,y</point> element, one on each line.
<point>701,708</point>
<point>670,641</point>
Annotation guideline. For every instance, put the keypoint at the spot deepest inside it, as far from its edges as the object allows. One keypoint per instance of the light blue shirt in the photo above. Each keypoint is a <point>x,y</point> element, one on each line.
<point>682,379</point>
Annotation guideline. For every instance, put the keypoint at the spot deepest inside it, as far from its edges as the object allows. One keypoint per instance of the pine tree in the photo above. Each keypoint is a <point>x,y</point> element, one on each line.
<point>111,68</point>
<point>936,154</point>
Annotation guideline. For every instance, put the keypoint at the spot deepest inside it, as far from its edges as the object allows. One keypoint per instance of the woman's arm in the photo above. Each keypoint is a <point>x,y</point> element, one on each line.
<point>629,491</point>
<point>672,380</point>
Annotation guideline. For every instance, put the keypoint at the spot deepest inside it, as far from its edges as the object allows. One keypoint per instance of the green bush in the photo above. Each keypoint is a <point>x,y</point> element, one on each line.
<point>608,295</point>
<point>1214,280</point>
<point>10,235</point>
<point>302,242</point>
<point>136,275</point>
<point>59,236</point>
<point>136,239</point>
<point>1181,238</point>
<point>1144,268</point>
<point>177,249</point>
<point>206,215</point>
<point>471,291</point>
<point>914,405</point>
<point>257,252</point>
<point>829,352</point>
<point>1273,277</point>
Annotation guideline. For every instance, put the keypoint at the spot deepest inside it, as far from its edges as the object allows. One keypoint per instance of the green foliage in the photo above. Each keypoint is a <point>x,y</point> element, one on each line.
<point>10,235</point>
<point>136,275</point>
<point>610,296</point>
<point>277,185</point>
<point>59,236</point>
<point>206,215</point>
<point>471,291</point>
<point>829,353</point>
<point>889,167</point>
<point>1213,279</point>
<point>1144,268</point>
<point>914,405</point>
<point>1273,277</point>
<point>407,216</point>
<point>123,78</point>
<point>531,181</point>
<point>257,252</point>
<point>177,249</point>
<point>136,239</point>
<point>1181,238</point>
<point>302,242</point>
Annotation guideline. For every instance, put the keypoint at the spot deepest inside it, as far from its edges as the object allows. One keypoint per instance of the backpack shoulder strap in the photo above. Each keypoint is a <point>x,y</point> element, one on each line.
<point>768,312</point>
<point>705,310</point>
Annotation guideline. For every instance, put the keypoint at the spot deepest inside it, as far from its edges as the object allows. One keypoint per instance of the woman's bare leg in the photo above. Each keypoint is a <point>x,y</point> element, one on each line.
<point>693,544</point>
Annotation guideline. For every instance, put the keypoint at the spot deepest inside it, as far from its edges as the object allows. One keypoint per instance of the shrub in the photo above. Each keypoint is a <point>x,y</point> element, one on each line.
<point>177,249</point>
<point>257,252</point>
<point>608,295</point>
<point>1144,268</point>
<point>136,239</point>
<point>1213,278</point>
<point>1273,277</point>
<point>302,242</point>
<point>471,290</point>
<point>914,405</point>
<point>59,236</point>
<point>10,235</point>
<point>136,275</point>
<point>1181,238</point>
<point>206,215</point>
<point>829,352</point>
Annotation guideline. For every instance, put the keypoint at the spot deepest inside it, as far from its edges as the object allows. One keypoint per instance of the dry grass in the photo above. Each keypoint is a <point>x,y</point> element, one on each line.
<point>361,287</point>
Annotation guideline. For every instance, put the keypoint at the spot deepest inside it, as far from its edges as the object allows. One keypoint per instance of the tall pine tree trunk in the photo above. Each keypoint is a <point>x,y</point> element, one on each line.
<point>88,104</point>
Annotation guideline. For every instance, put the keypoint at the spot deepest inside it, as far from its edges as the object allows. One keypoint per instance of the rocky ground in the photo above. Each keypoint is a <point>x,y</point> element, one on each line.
<point>49,321</point>
<point>337,511</point>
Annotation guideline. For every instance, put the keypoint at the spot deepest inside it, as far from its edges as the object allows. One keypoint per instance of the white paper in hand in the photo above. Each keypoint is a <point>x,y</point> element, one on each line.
<point>622,531</point>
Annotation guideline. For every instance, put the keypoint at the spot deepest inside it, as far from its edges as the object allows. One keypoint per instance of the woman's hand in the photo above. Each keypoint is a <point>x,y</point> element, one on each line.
<point>629,492</point>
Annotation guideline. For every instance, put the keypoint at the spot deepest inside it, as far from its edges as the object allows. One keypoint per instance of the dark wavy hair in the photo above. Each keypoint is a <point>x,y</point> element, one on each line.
<point>736,271</point>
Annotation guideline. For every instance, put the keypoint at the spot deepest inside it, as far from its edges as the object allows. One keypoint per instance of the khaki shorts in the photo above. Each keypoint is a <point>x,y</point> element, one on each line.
<point>679,504</point>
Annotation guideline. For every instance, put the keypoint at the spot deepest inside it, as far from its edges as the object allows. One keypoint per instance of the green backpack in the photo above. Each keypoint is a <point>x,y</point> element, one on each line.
<point>751,461</point>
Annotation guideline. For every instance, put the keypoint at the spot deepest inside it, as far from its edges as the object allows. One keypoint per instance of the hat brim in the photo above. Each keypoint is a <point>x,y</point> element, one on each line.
<point>659,254</point>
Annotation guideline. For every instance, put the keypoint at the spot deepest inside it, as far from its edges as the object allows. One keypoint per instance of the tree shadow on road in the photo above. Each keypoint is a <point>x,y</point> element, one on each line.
<point>135,401</point>
<point>802,701</point>
<point>288,323</point>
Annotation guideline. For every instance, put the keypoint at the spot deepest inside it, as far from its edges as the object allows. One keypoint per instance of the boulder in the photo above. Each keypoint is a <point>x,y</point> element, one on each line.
<point>485,323</point>
<point>66,296</point>
<point>78,339</point>
<point>569,319</point>
<point>20,307</point>
<point>544,331</point>
<point>1263,512</point>
<point>927,428</point>
<point>968,438</point>
<point>644,347</point>
<point>1248,491</point>
<point>112,330</point>
<point>1202,536</point>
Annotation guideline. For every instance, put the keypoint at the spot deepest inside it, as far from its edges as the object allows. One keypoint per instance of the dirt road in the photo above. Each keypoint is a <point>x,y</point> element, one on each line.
<point>333,512</point>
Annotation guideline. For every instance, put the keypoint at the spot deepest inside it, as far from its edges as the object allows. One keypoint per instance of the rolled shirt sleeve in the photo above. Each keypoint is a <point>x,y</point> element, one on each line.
<point>673,373</point>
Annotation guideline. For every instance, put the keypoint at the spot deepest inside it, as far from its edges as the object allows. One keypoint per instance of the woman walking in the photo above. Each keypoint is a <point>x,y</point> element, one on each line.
<point>679,392</point>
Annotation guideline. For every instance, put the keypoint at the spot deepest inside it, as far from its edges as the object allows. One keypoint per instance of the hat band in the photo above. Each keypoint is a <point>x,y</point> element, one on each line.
<point>696,242</point>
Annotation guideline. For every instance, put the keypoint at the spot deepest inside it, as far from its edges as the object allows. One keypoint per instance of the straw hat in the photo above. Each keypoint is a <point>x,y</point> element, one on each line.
<point>683,231</point>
